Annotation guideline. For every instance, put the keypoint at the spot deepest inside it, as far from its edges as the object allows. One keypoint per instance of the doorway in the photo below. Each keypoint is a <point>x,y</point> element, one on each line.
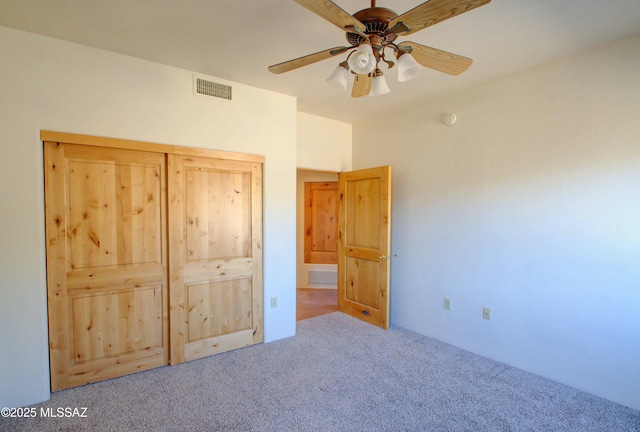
<point>362,237</point>
<point>317,289</point>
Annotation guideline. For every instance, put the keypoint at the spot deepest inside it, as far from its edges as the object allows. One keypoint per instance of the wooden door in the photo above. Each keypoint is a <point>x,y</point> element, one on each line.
<point>106,262</point>
<point>321,222</point>
<point>364,235</point>
<point>114,307</point>
<point>215,239</point>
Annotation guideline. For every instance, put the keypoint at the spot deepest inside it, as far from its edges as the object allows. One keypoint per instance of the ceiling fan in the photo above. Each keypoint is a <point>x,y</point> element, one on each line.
<point>371,32</point>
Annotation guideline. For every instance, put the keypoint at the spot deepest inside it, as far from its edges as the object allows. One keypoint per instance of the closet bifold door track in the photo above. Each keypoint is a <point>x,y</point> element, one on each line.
<point>154,255</point>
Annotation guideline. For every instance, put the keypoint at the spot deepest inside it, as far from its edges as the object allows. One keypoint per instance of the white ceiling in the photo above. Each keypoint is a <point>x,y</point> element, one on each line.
<point>237,40</point>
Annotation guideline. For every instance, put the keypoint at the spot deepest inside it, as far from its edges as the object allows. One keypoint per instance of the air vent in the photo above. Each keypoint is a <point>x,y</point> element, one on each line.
<point>214,89</point>
<point>323,277</point>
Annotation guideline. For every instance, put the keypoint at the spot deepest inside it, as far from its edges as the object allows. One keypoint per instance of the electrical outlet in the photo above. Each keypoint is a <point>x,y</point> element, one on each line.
<point>486,313</point>
<point>274,302</point>
<point>447,304</point>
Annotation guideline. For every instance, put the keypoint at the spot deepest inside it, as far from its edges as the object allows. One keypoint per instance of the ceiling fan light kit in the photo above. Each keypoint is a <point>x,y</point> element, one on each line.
<point>379,84</point>
<point>362,61</point>
<point>340,76</point>
<point>372,31</point>
<point>408,67</point>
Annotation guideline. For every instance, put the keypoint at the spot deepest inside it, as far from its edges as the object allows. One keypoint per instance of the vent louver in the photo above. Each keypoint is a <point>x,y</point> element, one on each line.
<point>214,89</point>
<point>323,277</point>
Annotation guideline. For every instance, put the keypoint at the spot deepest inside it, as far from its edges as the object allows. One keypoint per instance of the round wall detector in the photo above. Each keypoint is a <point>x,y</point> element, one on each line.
<point>449,119</point>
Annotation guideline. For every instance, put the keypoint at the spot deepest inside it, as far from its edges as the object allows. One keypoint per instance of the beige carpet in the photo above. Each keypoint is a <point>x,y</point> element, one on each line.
<point>337,374</point>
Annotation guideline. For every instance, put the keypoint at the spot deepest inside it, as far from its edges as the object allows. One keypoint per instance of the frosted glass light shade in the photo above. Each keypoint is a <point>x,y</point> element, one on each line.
<point>362,61</point>
<point>340,77</point>
<point>408,67</point>
<point>379,86</point>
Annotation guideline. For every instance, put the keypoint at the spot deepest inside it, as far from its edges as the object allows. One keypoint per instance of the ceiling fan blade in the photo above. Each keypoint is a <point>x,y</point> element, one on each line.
<point>432,12</point>
<point>306,60</point>
<point>332,13</point>
<point>439,60</point>
<point>361,85</point>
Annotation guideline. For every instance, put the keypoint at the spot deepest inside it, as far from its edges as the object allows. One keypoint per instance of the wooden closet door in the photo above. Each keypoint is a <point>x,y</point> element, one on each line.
<point>106,262</point>
<point>215,239</point>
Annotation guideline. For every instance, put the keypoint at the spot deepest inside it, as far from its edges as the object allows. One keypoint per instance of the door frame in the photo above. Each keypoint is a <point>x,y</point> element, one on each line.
<point>387,221</point>
<point>302,268</point>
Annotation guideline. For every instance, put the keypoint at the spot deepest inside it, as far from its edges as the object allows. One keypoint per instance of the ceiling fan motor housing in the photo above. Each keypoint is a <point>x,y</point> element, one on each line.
<point>376,21</point>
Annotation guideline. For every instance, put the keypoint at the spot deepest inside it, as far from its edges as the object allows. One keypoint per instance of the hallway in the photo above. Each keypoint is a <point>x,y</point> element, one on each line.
<point>312,302</point>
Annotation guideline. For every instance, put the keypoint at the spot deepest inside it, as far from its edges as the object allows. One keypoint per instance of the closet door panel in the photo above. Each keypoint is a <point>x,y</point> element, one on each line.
<point>106,262</point>
<point>216,255</point>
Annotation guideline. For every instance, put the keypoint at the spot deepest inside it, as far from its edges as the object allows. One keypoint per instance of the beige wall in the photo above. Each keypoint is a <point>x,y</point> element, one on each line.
<point>529,205</point>
<point>54,85</point>
<point>323,144</point>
